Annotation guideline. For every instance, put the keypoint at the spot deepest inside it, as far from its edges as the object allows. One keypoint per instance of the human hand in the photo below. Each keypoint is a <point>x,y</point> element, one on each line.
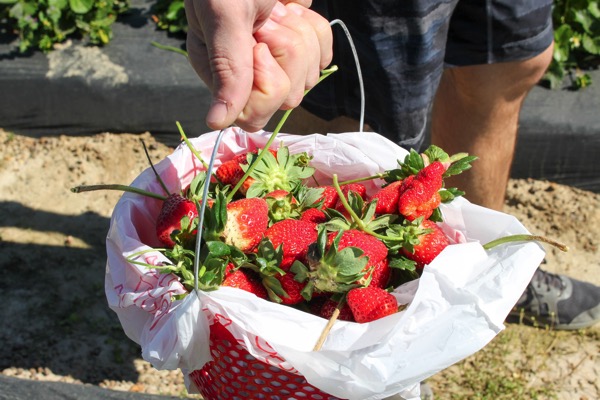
<point>256,56</point>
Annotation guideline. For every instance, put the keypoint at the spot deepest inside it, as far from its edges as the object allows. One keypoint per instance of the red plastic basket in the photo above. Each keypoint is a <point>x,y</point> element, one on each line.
<point>235,374</point>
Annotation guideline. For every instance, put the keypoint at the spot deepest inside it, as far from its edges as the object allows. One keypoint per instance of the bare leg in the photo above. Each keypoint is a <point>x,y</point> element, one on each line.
<point>476,110</point>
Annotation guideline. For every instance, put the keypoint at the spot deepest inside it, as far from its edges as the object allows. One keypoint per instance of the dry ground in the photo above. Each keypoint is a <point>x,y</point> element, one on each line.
<point>56,325</point>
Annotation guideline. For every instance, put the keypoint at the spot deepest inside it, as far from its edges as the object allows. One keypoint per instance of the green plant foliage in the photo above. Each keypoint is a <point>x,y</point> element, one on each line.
<point>169,15</point>
<point>576,42</point>
<point>43,23</point>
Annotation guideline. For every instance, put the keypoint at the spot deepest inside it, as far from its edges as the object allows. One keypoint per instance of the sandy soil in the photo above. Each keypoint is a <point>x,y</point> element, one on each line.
<point>55,321</point>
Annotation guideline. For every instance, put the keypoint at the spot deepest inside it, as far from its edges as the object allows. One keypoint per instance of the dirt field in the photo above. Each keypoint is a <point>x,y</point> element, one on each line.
<point>56,324</point>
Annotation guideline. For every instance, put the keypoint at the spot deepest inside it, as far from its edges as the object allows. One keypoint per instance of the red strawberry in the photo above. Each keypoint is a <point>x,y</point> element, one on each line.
<point>387,198</point>
<point>244,279</point>
<point>329,306</point>
<point>247,220</point>
<point>313,215</point>
<point>371,303</point>
<point>174,208</point>
<point>330,196</point>
<point>291,287</point>
<point>430,244</point>
<point>380,275</point>
<point>372,247</point>
<point>230,172</point>
<point>419,193</point>
<point>295,236</point>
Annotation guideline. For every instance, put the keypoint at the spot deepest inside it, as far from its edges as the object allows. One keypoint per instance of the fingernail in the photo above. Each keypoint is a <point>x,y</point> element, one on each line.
<point>217,113</point>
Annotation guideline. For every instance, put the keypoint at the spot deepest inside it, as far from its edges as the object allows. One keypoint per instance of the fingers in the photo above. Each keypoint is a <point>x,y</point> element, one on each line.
<point>301,42</point>
<point>220,49</point>
<point>322,29</point>
<point>250,82</point>
<point>271,86</point>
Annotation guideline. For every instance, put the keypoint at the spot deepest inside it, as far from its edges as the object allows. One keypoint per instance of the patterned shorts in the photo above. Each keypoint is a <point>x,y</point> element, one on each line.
<point>403,47</point>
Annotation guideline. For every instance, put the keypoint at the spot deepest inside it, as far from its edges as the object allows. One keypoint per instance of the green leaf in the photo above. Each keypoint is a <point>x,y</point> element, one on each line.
<point>8,1</point>
<point>434,153</point>
<point>459,166</point>
<point>591,44</point>
<point>594,9</point>
<point>60,4</point>
<point>81,6</point>
<point>584,19</point>
<point>562,36</point>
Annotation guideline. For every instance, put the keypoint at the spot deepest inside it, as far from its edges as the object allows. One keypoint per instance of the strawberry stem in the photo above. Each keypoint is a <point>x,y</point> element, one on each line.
<point>366,178</point>
<point>327,329</point>
<point>121,188</point>
<point>360,225</point>
<point>189,145</point>
<point>162,183</point>
<point>524,238</point>
<point>344,201</point>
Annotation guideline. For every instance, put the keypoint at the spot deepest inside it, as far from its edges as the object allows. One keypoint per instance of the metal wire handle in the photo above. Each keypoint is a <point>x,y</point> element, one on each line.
<point>358,71</point>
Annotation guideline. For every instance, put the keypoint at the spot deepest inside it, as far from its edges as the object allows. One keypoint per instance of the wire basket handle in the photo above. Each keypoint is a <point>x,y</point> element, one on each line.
<point>358,71</point>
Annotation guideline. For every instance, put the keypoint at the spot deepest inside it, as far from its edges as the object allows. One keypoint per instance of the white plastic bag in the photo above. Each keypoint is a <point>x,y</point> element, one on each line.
<point>456,307</point>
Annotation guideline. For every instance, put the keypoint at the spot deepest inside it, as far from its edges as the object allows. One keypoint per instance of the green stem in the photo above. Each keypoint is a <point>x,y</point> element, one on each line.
<point>162,183</point>
<point>190,146</point>
<point>344,202</point>
<point>524,238</point>
<point>366,178</point>
<point>359,222</point>
<point>121,188</point>
<point>169,48</point>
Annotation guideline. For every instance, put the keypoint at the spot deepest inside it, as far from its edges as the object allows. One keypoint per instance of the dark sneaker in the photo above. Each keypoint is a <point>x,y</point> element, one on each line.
<point>558,302</point>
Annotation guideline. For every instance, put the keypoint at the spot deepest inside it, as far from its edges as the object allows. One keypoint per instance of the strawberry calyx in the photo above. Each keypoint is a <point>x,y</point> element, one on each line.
<point>286,172</point>
<point>329,269</point>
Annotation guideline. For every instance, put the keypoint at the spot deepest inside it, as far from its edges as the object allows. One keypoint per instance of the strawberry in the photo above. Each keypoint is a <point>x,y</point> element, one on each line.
<point>294,236</point>
<point>419,194</point>
<point>328,307</point>
<point>247,220</point>
<point>231,171</point>
<point>431,241</point>
<point>292,289</point>
<point>173,209</point>
<point>387,198</point>
<point>371,303</point>
<point>380,274</point>
<point>313,215</point>
<point>374,249</point>
<point>329,197</point>
<point>338,261</point>
<point>244,279</point>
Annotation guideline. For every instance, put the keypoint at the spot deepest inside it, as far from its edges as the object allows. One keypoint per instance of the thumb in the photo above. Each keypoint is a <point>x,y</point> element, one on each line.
<point>230,56</point>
